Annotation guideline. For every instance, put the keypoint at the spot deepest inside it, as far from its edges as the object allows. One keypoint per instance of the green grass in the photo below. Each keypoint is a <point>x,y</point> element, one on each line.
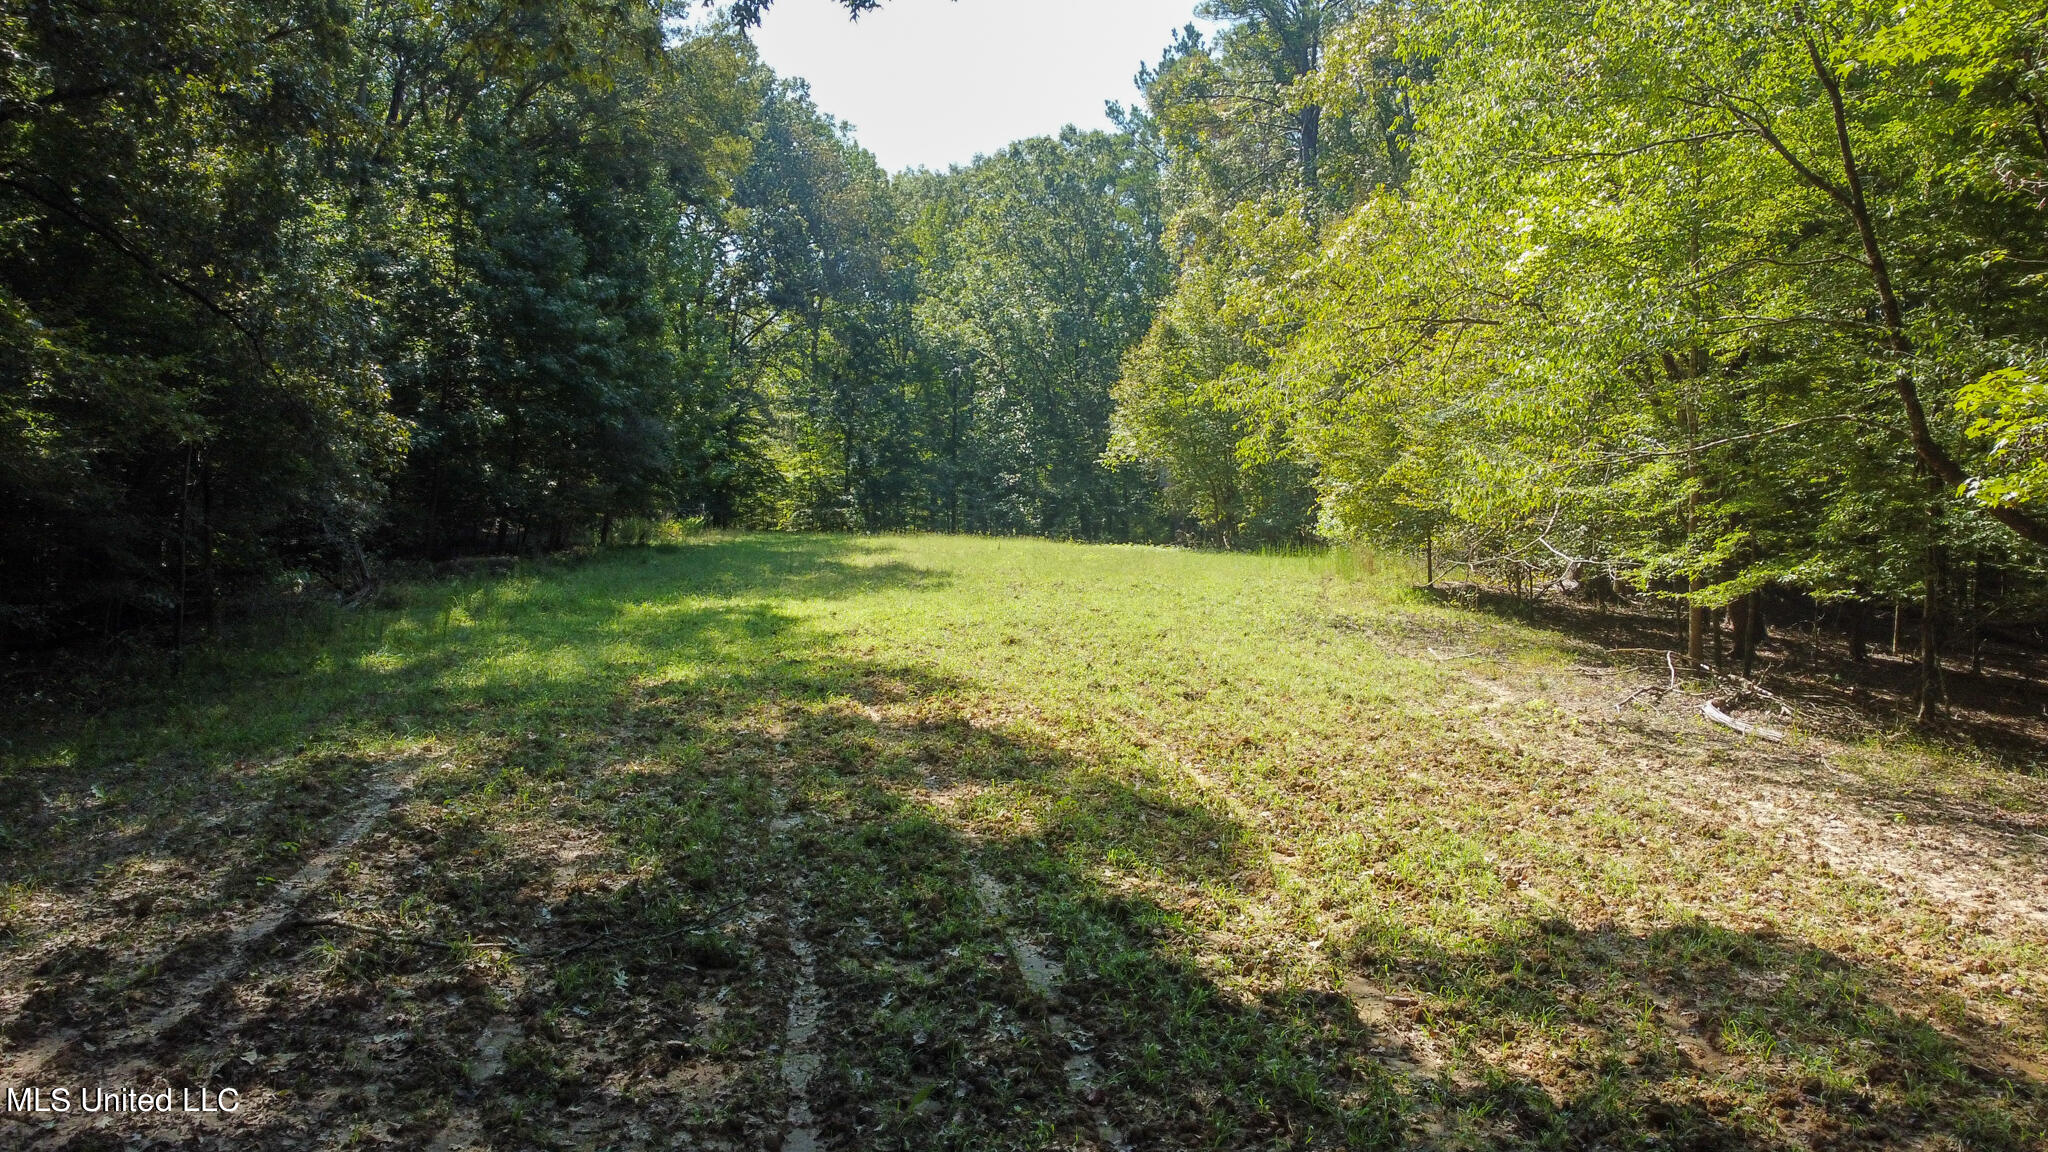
<point>1327,863</point>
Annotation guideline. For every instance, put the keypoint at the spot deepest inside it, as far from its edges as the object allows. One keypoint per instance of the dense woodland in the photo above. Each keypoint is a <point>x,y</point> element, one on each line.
<point>1740,306</point>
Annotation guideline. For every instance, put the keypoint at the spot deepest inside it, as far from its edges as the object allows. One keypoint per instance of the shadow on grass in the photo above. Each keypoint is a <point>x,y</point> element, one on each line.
<point>1999,720</point>
<point>2002,710</point>
<point>1697,1036</point>
<point>643,787</point>
<point>1688,1035</point>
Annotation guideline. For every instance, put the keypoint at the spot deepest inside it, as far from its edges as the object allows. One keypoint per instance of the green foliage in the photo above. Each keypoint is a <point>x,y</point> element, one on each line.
<point>1260,144</point>
<point>1715,301</point>
<point>1712,299</point>
<point>2011,410</point>
<point>290,288</point>
<point>285,282</point>
<point>1046,273</point>
<point>1177,403</point>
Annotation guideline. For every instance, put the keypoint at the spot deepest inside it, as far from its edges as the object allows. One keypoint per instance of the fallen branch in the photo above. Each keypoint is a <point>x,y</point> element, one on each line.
<point>1629,699</point>
<point>1750,687</point>
<point>1662,690</point>
<point>361,594</point>
<point>1443,659</point>
<point>1712,711</point>
<point>697,925</point>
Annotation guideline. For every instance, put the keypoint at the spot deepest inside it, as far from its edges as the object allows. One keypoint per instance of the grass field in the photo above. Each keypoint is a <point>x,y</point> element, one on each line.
<point>921,843</point>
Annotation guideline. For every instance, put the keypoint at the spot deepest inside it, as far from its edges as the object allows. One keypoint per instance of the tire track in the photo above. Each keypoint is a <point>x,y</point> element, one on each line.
<point>464,1129</point>
<point>188,995</point>
<point>800,1064</point>
<point>1043,976</point>
<point>801,1061</point>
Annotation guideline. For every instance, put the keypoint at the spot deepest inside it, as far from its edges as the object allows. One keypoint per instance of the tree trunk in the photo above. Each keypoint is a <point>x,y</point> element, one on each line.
<point>1311,148</point>
<point>209,572</point>
<point>1696,629</point>
<point>1859,644</point>
<point>1752,631</point>
<point>1696,614</point>
<point>1930,643</point>
<point>1977,618</point>
<point>184,542</point>
<point>1849,195</point>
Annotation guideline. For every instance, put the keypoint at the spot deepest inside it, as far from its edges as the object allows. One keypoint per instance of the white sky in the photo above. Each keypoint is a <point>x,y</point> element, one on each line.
<point>936,82</point>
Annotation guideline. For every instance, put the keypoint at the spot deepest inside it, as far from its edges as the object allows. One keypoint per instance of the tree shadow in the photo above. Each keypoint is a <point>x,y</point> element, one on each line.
<point>2002,710</point>
<point>1956,809</point>
<point>1681,1035</point>
<point>1693,1035</point>
<point>643,804</point>
<point>160,815</point>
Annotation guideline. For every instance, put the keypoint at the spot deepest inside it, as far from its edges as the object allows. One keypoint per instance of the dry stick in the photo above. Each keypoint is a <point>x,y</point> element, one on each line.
<point>1713,710</point>
<point>1750,686</point>
<point>697,925</point>
<point>1662,690</point>
<point>1441,658</point>
<point>401,938</point>
<point>1631,697</point>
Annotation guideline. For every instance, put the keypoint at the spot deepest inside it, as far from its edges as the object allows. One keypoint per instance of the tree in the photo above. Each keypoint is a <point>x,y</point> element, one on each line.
<point>1706,300</point>
<point>1049,277</point>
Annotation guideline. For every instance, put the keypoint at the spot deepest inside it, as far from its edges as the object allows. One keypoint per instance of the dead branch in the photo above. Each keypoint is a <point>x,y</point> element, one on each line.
<point>1751,688</point>
<point>613,943</point>
<point>1712,710</point>
<point>1661,690</point>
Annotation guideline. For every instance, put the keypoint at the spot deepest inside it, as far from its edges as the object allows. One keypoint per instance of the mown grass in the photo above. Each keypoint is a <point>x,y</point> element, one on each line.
<point>1327,862</point>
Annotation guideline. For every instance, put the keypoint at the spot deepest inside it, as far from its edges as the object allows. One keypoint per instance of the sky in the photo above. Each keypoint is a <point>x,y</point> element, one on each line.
<point>928,83</point>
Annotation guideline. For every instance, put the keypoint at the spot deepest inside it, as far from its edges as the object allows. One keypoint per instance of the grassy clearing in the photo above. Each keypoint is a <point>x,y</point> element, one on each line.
<point>1321,862</point>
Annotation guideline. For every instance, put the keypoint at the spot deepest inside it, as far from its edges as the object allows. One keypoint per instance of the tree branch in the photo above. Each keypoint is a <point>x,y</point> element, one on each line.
<point>17,110</point>
<point>1652,146</point>
<point>106,232</point>
<point>1742,439</point>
